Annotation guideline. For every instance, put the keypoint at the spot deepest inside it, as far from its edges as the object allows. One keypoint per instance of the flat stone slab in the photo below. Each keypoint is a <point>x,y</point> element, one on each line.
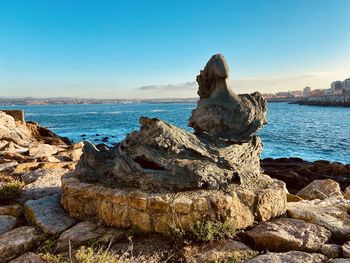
<point>285,234</point>
<point>86,232</point>
<point>29,257</point>
<point>331,213</point>
<point>289,257</point>
<point>156,212</point>
<point>18,241</point>
<point>42,182</point>
<point>48,214</point>
<point>7,223</point>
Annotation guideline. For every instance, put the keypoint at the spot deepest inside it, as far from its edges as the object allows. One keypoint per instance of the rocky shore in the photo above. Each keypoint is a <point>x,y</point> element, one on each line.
<point>166,195</point>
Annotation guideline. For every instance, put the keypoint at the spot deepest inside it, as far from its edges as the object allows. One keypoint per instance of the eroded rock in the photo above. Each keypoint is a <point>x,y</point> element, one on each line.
<point>222,113</point>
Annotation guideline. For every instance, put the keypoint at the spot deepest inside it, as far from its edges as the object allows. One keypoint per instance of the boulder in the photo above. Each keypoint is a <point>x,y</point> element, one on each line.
<point>86,233</point>
<point>29,257</point>
<point>289,257</point>
<point>346,249</point>
<point>330,250</point>
<point>18,241</point>
<point>285,234</point>
<point>331,213</point>
<point>48,215</point>
<point>221,251</point>
<point>12,131</point>
<point>7,223</point>
<point>164,157</point>
<point>222,113</point>
<point>43,182</point>
<point>41,150</point>
<point>320,189</point>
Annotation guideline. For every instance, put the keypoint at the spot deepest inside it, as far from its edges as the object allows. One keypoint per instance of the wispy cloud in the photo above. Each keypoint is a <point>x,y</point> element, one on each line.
<point>181,86</point>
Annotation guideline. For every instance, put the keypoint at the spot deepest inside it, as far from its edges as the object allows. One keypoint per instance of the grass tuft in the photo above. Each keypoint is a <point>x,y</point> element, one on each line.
<point>10,191</point>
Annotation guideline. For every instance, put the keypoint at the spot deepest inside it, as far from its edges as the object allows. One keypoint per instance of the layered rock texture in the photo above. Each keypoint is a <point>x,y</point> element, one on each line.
<point>163,175</point>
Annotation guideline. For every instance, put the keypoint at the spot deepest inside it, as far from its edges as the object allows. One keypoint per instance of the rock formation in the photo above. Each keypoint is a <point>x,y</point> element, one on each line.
<point>222,113</point>
<point>165,174</point>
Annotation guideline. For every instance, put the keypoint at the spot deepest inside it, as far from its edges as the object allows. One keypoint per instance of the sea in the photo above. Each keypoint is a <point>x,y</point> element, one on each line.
<point>309,132</point>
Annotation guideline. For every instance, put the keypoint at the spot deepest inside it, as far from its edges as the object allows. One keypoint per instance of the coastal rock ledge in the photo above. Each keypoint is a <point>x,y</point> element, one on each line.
<point>163,177</point>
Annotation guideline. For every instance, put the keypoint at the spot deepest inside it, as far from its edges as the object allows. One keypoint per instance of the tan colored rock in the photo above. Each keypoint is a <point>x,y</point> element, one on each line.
<point>86,233</point>
<point>7,223</point>
<point>320,189</point>
<point>7,165</point>
<point>331,213</point>
<point>48,215</point>
<point>293,198</point>
<point>285,234</point>
<point>12,210</point>
<point>24,167</point>
<point>289,257</point>
<point>29,257</point>
<point>18,241</point>
<point>41,150</point>
<point>221,251</point>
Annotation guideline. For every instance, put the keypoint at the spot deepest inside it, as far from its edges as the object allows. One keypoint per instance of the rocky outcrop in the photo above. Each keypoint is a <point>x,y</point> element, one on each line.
<point>222,113</point>
<point>285,234</point>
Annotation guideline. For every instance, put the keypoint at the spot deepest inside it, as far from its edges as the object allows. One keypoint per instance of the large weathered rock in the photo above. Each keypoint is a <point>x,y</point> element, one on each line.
<point>289,257</point>
<point>43,182</point>
<point>261,200</point>
<point>331,213</point>
<point>285,234</point>
<point>48,214</point>
<point>222,251</point>
<point>87,232</point>
<point>163,157</point>
<point>41,150</point>
<point>320,189</point>
<point>7,223</point>
<point>222,113</point>
<point>18,241</point>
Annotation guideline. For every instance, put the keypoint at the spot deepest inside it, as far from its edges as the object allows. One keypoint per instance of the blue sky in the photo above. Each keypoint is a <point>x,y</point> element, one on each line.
<point>139,49</point>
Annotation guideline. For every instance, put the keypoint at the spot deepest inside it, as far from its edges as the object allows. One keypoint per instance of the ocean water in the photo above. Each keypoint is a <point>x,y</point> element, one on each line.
<point>309,132</point>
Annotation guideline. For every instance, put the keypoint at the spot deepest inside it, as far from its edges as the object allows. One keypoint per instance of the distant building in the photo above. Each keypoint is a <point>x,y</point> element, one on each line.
<point>306,91</point>
<point>346,85</point>
<point>336,87</point>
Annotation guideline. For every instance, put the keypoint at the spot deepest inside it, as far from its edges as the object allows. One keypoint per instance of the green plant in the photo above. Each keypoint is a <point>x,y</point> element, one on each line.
<point>10,191</point>
<point>205,230</point>
<point>51,258</point>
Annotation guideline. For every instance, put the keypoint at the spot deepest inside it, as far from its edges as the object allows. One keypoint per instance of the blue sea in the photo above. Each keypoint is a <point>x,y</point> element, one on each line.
<point>309,132</point>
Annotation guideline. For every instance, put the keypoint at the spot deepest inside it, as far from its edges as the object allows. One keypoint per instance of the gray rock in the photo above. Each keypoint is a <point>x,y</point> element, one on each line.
<point>222,113</point>
<point>289,257</point>
<point>48,214</point>
<point>18,241</point>
<point>331,213</point>
<point>42,182</point>
<point>87,232</point>
<point>7,223</point>
<point>285,234</point>
<point>161,156</point>
<point>29,257</point>
<point>339,260</point>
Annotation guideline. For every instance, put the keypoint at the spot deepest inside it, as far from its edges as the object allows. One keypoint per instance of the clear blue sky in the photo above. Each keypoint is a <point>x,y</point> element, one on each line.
<point>156,48</point>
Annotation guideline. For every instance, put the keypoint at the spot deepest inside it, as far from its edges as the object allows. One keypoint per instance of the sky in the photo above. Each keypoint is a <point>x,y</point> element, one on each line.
<point>155,48</point>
